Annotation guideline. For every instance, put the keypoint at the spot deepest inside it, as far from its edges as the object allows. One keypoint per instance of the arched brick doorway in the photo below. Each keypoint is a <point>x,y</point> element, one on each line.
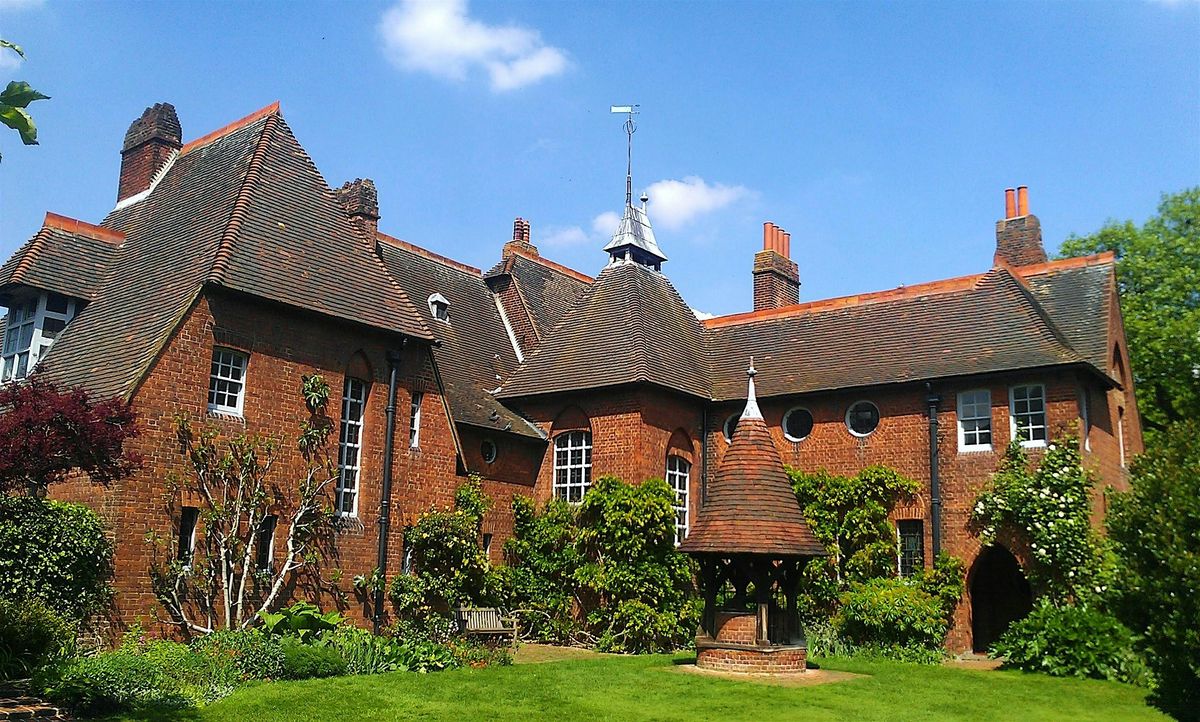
<point>1000,595</point>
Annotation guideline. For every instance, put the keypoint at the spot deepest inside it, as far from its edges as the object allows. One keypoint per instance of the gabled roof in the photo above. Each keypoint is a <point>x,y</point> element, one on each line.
<point>243,208</point>
<point>988,323</point>
<point>475,354</point>
<point>66,256</point>
<point>750,507</point>
<point>631,326</point>
<point>548,289</point>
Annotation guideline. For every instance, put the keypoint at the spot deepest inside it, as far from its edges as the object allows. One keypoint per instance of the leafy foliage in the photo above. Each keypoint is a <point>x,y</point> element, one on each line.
<point>47,432</point>
<point>140,676</point>
<point>55,553</point>
<point>1158,276</point>
<point>1156,531</point>
<point>31,637</point>
<point>255,653</point>
<point>303,620</point>
<point>606,573</point>
<point>894,616</point>
<point>849,514</point>
<point>221,586</point>
<point>1072,641</point>
<point>14,101</point>
<point>449,566</point>
<point>1049,509</point>
<point>310,661</point>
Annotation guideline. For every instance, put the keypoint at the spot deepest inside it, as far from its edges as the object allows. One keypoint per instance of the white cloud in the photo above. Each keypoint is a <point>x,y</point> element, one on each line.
<point>564,236</point>
<point>438,37</point>
<point>675,203</point>
<point>606,223</point>
<point>20,4</point>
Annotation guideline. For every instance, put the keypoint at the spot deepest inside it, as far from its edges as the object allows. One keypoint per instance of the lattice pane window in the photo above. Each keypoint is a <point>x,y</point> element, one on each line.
<point>911,534</point>
<point>975,420</point>
<point>354,401</point>
<point>679,471</point>
<point>572,465</point>
<point>227,381</point>
<point>1028,414</point>
<point>32,327</point>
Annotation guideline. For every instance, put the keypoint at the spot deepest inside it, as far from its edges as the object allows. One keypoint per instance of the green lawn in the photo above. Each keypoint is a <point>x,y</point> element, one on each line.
<point>649,688</point>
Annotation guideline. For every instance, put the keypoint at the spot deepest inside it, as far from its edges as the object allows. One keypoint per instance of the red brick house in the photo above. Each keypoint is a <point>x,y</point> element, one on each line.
<point>229,268</point>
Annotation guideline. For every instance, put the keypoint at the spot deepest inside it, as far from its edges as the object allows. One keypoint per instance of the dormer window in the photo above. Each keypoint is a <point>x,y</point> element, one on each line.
<point>439,307</point>
<point>33,325</point>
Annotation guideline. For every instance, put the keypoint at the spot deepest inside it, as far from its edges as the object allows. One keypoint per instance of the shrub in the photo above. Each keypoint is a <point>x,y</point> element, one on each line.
<point>256,654</point>
<point>56,553</point>
<point>303,620</point>
<point>892,616</point>
<point>1071,642</point>
<point>139,676</point>
<point>307,661</point>
<point>366,653</point>
<point>1156,528</point>
<point>31,636</point>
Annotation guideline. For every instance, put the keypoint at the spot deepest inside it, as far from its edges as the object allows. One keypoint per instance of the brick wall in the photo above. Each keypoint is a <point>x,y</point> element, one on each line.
<point>283,346</point>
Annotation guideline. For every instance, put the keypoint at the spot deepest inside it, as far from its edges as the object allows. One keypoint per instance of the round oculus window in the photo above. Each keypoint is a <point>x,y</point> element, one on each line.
<point>731,426</point>
<point>797,424</point>
<point>488,450</point>
<point>862,418</point>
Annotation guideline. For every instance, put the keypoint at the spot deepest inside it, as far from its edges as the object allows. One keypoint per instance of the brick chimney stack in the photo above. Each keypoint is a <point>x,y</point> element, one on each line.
<point>520,239</point>
<point>776,276</point>
<point>1019,234</point>
<point>149,143</point>
<point>361,201</point>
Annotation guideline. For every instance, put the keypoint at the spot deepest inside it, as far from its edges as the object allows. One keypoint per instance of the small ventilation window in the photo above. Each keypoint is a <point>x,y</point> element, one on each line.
<point>439,307</point>
<point>862,418</point>
<point>797,424</point>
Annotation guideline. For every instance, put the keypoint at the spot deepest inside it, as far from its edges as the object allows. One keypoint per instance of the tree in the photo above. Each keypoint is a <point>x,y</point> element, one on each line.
<point>1156,529</point>
<point>15,99</point>
<point>222,584</point>
<point>47,432</point>
<point>1158,276</point>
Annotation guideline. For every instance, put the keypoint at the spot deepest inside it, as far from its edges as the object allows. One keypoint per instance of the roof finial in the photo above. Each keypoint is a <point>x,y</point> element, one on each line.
<point>752,411</point>
<point>630,128</point>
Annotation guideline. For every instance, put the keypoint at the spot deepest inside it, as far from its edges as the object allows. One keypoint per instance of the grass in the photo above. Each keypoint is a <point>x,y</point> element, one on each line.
<point>650,688</point>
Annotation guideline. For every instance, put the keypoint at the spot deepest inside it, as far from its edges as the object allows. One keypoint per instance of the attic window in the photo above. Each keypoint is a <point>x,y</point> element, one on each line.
<point>439,307</point>
<point>34,323</point>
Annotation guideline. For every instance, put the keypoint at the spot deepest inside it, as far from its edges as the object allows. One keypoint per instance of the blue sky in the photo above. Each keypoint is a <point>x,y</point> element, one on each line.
<point>881,135</point>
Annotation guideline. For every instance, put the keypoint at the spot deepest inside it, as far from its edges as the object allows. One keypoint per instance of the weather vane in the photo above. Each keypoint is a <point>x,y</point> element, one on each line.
<point>630,128</point>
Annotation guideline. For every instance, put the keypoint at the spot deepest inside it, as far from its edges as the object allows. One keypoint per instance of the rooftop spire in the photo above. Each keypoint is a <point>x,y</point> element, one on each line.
<point>752,411</point>
<point>634,239</point>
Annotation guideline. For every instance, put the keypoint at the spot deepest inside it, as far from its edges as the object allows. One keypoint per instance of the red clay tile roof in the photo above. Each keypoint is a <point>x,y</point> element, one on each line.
<point>751,508</point>
<point>475,355</point>
<point>245,209</point>
<point>973,325</point>
<point>630,326</point>
<point>66,256</point>
<point>548,289</point>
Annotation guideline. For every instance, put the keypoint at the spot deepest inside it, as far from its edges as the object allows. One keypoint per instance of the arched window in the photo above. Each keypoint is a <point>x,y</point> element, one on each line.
<point>572,465</point>
<point>679,472</point>
<point>354,403</point>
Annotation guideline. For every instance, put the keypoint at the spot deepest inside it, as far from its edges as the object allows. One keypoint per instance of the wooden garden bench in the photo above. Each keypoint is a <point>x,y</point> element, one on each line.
<point>485,622</point>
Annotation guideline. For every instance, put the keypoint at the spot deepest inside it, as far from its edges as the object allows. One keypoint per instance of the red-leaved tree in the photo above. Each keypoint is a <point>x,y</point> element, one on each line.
<point>47,432</point>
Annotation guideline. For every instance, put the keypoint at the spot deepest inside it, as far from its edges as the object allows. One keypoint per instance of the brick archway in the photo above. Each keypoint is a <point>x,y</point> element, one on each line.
<point>1000,595</point>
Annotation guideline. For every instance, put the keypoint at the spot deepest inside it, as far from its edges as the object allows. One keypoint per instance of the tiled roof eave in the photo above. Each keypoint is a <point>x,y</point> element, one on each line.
<point>210,286</point>
<point>1066,365</point>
